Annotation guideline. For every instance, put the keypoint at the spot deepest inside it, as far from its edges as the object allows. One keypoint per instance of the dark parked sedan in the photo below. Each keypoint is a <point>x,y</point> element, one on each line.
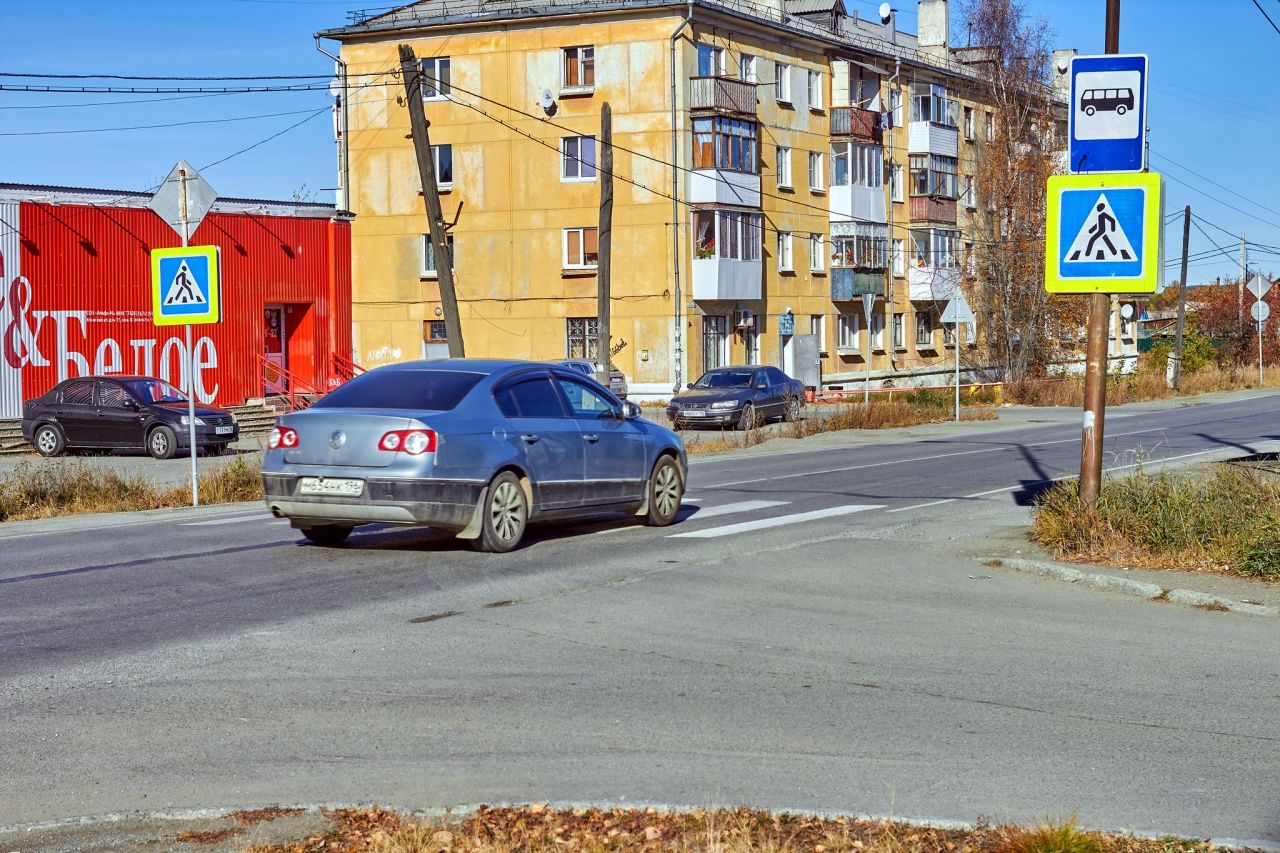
<point>472,446</point>
<point>743,397</point>
<point>131,412</point>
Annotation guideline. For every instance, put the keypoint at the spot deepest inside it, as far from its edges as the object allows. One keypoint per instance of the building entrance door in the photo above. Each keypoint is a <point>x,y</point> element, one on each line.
<point>274,350</point>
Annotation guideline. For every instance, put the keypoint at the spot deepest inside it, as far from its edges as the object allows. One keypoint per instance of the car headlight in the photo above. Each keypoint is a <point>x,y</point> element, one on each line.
<point>187,421</point>
<point>725,404</point>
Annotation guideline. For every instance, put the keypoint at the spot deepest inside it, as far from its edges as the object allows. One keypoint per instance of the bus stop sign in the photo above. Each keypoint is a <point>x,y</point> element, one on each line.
<point>1108,117</point>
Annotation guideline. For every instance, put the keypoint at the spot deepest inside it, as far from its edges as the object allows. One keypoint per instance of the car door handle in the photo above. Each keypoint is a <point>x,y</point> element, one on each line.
<point>590,439</point>
<point>529,438</point>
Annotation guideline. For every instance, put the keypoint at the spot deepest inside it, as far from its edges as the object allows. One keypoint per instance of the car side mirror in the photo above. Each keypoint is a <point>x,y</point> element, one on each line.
<point>689,385</point>
<point>630,410</point>
<point>762,386</point>
<point>129,404</point>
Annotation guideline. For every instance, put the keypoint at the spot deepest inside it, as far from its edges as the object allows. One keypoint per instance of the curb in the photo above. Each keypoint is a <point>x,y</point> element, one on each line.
<point>1125,586</point>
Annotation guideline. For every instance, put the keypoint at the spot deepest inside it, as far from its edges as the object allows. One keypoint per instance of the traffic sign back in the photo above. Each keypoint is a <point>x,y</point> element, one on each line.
<point>1258,286</point>
<point>1108,117</point>
<point>186,286</point>
<point>1103,233</point>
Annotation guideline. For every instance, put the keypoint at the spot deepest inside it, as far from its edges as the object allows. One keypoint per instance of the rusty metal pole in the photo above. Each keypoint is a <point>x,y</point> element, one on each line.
<point>1095,369</point>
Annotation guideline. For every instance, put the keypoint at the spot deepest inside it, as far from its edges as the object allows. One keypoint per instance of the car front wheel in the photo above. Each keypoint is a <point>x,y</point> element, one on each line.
<point>161,443</point>
<point>666,490</point>
<point>747,420</point>
<point>49,441</point>
<point>504,517</point>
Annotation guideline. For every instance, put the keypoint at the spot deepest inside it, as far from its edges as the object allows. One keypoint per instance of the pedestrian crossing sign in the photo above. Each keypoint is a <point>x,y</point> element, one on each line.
<point>1103,233</point>
<point>186,286</point>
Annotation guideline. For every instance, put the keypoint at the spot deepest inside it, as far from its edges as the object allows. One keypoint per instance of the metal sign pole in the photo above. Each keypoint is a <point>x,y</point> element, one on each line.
<point>868,305</point>
<point>1261,323</point>
<point>191,356</point>
<point>957,337</point>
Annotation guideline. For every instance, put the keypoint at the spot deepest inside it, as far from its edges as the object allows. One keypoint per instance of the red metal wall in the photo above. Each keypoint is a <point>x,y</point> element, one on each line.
<point>81,298</point>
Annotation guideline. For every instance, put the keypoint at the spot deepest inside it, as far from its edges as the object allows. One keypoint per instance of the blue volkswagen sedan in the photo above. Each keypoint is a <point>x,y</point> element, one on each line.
<point>478,447</point>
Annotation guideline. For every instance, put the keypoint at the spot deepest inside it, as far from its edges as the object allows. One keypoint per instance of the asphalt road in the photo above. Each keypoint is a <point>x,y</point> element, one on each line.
<point>815,633</point>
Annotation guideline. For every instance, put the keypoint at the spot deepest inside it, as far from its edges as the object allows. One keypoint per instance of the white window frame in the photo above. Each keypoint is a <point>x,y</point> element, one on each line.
<point>784,252</point>
<point>899,258</point>
<point>970,194</point>
<point>783,167</point>
<point>924,329</point>
<point>817,253</point>
<point>427,255</point>
<point>864,164</point>
<point>895,106</point>
<point>441,183</point>
<point>577,161</point>
<point>565,236</point>
<point>432,92</point>
<point>815,91</point>
<point>747,64</point>
<point>818,328</point>
<point>782,83</point>
<point>817,174</point>
<point>897,188</point>
<point>899,330</point>
<point>877,331</point>
<point>577,88</point>
<point>717,59</point>
<point>969,123</point>
<point>849,331</point>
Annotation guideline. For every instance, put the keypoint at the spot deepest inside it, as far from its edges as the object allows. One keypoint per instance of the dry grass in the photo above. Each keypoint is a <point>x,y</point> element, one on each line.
<point>1224,520</point>
<point>49,489</point>
<point>537,828</point>
<point>1138,387</point>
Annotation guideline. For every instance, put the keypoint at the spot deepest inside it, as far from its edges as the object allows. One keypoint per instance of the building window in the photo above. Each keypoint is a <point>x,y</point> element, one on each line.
<point>817,254</point>
<point>429,269</point>
<point>895,106</point>
<point>580,250</point>
<point>715,340</point>
<point>442,155</point>
<point>815,90</point>
<point>867,249</point>
<point>815,171</point>
<point>818,328</point>
<point>970,194</point>
<point>751,340</point>
<point>579,68</point>
<point>848,325</point>
<point>896,187</point>
<point>710,61</point>
<point>725,143</point>
<point>929,102</point>
<point>924,330</point>
<point>581,337</point>
<point>935,247</point>
<point>784,251</point>
<point>899,336</point>
<point>578,158</point>
<point>857,164</point>
<point>899,259</point>
<point>747,68</point>
<point>949,335</point>
<point>991,127</point>
<point>437,332</point>
<point>435,78</point>
<point>729,234</point>
<point>933,175</point>
<point>784,168</point>
<point>782,83</point>
<point>968,123</point>
<point>877,331</point>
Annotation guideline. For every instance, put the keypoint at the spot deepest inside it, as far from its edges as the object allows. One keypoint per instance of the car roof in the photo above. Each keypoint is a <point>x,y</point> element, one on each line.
<point>115,377</point>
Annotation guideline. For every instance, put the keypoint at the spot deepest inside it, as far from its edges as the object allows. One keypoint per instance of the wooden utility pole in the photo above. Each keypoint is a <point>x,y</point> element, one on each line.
<point>431,194</point>
<point>1182,298</point>
<point>1095,371</point>
<point>604,246</point>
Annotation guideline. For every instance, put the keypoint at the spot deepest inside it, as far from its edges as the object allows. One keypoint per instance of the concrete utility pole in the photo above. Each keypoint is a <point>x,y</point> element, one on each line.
<point>1244,273</point>
<point>1182,298</point>
<point>431,194</point>
<point>1095,376</point>
<point>604,246</point>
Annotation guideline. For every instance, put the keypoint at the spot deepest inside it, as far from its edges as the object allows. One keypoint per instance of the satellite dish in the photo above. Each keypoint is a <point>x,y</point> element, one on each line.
<point>1063,65</point>
<point>546,100</point>
<point>886,12</point>
<point>1126,310</point>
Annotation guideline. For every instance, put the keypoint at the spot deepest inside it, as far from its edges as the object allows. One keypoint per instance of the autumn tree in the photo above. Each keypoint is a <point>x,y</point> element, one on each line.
<point>1217,312</point>
<point>1024,329</point>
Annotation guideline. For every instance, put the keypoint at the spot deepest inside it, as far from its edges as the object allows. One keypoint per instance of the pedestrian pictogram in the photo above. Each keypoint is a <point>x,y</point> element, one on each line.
<point>184,290</point>
<point>1103,233</point>
<point>1101,238</point>
<point>185,286</point>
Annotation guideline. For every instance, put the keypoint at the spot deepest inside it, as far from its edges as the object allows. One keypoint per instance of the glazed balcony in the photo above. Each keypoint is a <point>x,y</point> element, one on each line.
<point>717,278</point>
<point>722,94</point>
<point>857,122</point>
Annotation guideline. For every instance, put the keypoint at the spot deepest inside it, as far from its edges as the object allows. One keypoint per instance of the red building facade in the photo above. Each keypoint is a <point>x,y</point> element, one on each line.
<point>75,295</point>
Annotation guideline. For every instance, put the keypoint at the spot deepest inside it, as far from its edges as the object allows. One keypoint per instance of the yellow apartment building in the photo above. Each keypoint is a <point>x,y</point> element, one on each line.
<point>774,160</point>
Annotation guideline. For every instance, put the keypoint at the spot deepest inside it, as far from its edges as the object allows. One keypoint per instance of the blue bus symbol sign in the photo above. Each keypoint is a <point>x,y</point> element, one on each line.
<point>1108,116</point>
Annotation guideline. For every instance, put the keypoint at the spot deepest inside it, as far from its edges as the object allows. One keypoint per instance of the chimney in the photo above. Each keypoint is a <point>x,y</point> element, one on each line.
<point>934,21</point>
<point>1061,70</point>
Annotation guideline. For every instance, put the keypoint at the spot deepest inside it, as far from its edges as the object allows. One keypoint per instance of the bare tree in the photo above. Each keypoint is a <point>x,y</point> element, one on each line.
<point>1024,330</point>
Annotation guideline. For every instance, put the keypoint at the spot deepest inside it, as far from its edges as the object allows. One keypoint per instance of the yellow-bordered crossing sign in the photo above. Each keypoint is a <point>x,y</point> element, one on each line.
<point>1103,233</point>
<point>186,286</point>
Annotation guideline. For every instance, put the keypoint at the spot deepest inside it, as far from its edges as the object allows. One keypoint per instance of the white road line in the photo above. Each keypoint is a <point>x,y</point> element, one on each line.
<point>245,518</point>
<point>922,506</point>
<point>688,500</point>
<point>776,521</point>
<point>729,509</point>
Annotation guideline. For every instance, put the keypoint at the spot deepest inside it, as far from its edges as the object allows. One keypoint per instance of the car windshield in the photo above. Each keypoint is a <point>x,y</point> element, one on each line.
<point>155,391</point>
<point>434,390</point>
<point>724,379</point>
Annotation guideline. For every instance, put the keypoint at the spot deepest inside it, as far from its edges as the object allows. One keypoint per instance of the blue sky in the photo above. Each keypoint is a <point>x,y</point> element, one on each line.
<point>1214,92</point>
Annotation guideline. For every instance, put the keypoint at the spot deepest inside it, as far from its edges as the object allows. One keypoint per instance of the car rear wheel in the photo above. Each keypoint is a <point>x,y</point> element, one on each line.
<point>327,534</point>
<point>791,409</point>
<point>161,442</point>
<point>49,441</point>
<point>747,420</point>
<point>504,517</point>
<point>666,490</point>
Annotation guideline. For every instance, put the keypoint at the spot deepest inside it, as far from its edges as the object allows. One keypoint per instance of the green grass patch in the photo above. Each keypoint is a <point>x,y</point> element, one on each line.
<point>1224,519</point>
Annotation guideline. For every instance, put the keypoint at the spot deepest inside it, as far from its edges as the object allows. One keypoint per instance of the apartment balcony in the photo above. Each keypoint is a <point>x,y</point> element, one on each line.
<point>857,122</point>
<point>721,186</point>
<point>848,284</point>
<point>853,203</point>
<point>932,284</point>
<point>927,208</point>
<point>927,137</point>
<point>727,279</point>
<point>722,94</point>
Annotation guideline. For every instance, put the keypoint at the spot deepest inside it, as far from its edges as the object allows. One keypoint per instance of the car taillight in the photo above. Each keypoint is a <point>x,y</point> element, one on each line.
<point>282,437</point>
<point>411,441</point>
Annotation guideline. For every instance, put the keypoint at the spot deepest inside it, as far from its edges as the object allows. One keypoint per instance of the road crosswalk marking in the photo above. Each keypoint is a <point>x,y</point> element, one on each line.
<point>729,509</point>
<point>776,521</point>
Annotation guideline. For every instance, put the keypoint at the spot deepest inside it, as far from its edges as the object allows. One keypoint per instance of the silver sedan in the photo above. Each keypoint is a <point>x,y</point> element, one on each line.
<point>477,447</point>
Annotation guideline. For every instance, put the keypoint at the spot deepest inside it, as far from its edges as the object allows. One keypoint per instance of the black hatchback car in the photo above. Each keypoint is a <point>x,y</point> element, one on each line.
<point>131,412</point>
<point>743,397</point>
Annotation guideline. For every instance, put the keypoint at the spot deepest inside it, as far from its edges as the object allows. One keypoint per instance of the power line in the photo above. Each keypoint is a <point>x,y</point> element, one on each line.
<point>266,140</point>
<point>1221,202</point>
<point>1268,17</point>
<point>1238,195</point>
<point>1223,251</point>
<point>154,126</point>
<point>46,76</point>
<point>136,101</point>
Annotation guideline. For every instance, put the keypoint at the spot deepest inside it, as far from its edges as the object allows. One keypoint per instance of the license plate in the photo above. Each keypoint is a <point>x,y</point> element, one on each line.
<point>330,486</point>
<point>694,413</point>
<point>223,430</point>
